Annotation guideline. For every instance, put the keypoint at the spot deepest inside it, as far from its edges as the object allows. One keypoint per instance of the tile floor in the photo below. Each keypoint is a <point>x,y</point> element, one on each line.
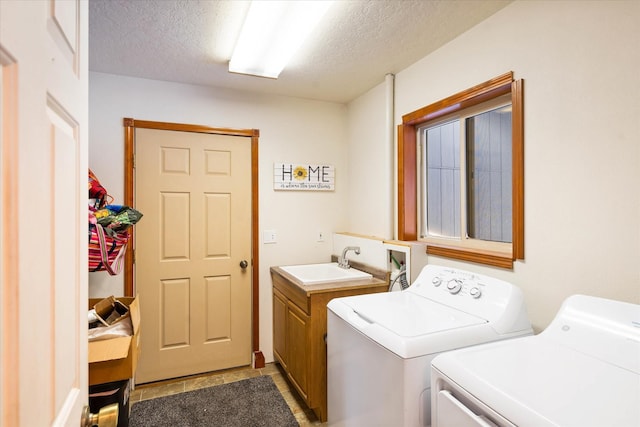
<point>304,415</point>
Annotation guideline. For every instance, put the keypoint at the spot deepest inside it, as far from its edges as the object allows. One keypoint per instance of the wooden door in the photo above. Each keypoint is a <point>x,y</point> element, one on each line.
<point>194,190</point>
<point>43,214</point>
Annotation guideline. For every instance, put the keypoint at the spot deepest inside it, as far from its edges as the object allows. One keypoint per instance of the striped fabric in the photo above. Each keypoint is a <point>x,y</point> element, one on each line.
<point>106,253</point>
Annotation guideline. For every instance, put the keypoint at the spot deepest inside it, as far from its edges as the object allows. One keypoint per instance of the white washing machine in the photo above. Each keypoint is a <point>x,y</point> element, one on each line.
<point>582,371</point>
<point>380,346</point>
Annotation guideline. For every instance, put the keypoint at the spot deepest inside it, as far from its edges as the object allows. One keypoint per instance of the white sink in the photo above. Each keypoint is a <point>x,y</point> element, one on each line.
<point>313,274</point>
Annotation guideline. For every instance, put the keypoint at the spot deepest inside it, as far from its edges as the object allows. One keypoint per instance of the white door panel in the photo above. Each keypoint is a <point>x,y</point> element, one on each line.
<point>43,242</point>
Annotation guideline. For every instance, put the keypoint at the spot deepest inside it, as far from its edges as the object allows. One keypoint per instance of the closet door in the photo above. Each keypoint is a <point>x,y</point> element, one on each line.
<point>193,252</point>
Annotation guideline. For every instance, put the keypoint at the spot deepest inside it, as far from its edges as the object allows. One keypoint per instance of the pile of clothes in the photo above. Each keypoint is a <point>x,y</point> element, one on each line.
<point>116,218</point>
<point>108,229</point>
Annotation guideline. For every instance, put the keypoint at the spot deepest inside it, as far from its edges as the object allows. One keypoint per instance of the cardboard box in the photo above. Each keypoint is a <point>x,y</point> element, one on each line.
<point>110,311</point>
<point>117,358</point>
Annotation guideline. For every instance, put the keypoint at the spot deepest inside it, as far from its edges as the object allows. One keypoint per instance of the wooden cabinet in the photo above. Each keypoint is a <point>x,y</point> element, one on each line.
<point>290,346</point>
<point>280,313</point>
<point>300,328</point>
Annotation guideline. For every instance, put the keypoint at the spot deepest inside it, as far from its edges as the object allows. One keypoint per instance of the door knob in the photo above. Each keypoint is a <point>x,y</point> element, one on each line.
<point>106,417</point>
<point>243,264</point>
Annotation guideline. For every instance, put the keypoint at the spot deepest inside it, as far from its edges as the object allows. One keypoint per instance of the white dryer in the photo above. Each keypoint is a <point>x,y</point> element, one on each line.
<point>583,370</point>
<point>380,346</point>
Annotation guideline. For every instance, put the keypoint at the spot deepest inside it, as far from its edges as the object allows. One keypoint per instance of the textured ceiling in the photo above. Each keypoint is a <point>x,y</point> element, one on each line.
<point>358,42</point>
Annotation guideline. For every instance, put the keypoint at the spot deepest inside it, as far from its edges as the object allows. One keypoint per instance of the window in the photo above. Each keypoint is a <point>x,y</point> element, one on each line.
<point>461,174</point>
<point>484,213</point>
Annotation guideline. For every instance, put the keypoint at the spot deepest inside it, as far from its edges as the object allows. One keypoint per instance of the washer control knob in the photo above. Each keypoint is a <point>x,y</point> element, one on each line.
<point>475,292</point>
<point>454,286</point>
<point>437,281</point>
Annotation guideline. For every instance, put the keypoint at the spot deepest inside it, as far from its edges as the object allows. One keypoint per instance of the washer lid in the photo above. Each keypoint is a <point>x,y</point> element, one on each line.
<point>408,315</point>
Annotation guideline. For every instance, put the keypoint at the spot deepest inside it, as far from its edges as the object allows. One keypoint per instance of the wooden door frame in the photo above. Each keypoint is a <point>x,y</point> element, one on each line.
<point>130,125</point>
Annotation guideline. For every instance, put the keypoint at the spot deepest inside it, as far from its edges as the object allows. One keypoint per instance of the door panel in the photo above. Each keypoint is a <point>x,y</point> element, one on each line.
<point>218,308</point>
<point>43,196</point>
<point>65,268</point>
<point>194,190</point>
<point>174,316</point>
<point>217,228</point>
<point>175,226</point>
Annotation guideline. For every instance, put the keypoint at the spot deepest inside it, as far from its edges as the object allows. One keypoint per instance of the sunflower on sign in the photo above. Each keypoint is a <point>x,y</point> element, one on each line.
<point>300,173</point>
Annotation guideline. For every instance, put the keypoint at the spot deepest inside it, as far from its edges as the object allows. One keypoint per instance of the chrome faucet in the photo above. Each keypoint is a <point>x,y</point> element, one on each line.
<point>343,262</point>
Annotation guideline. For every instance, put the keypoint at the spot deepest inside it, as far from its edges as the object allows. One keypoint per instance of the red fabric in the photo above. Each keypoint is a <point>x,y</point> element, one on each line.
<point>96,190</point>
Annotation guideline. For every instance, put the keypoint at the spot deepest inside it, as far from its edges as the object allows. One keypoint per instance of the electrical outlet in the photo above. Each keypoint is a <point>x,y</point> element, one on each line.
<point>320,237</point>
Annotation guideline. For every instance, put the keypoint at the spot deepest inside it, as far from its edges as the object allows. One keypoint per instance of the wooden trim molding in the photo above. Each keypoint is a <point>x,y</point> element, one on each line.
<point>481,257</point>
<point>190,128</point>
<point>129,133</point>
<point>407,180</point>
<point>129,165</point>
<point>517,117</point>
<point>408,174</point>
<point>476,95</point>
<point>258,357</point>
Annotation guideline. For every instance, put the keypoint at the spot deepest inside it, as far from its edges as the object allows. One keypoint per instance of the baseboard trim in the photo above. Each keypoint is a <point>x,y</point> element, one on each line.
<point>258,360</point>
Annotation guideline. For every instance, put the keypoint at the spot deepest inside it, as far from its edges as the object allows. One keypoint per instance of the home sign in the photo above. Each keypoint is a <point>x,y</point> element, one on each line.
<point>303,176</point>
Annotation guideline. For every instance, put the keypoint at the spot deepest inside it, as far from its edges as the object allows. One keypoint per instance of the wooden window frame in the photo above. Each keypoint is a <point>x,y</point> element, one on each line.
<point>408,168</point>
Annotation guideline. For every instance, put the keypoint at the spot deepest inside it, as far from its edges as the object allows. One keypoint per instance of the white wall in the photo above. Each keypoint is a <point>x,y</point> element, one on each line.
<point>371,173</point>
<point>290,130</point>
<point>580,63</point>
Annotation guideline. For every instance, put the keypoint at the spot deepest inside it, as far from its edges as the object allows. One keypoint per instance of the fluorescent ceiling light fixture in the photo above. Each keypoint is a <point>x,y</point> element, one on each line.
<point>272,32</point>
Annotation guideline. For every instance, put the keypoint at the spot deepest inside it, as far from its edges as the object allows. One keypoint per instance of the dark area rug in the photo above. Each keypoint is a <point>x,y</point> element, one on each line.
<point>254,402</point>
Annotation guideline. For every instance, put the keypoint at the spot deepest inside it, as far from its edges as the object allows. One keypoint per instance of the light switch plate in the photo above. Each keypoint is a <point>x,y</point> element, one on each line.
<point>269,236</point>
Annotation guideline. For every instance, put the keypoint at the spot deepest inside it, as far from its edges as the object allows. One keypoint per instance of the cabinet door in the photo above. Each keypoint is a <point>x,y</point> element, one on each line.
<point>280,328</point>
<point>298,348</point>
